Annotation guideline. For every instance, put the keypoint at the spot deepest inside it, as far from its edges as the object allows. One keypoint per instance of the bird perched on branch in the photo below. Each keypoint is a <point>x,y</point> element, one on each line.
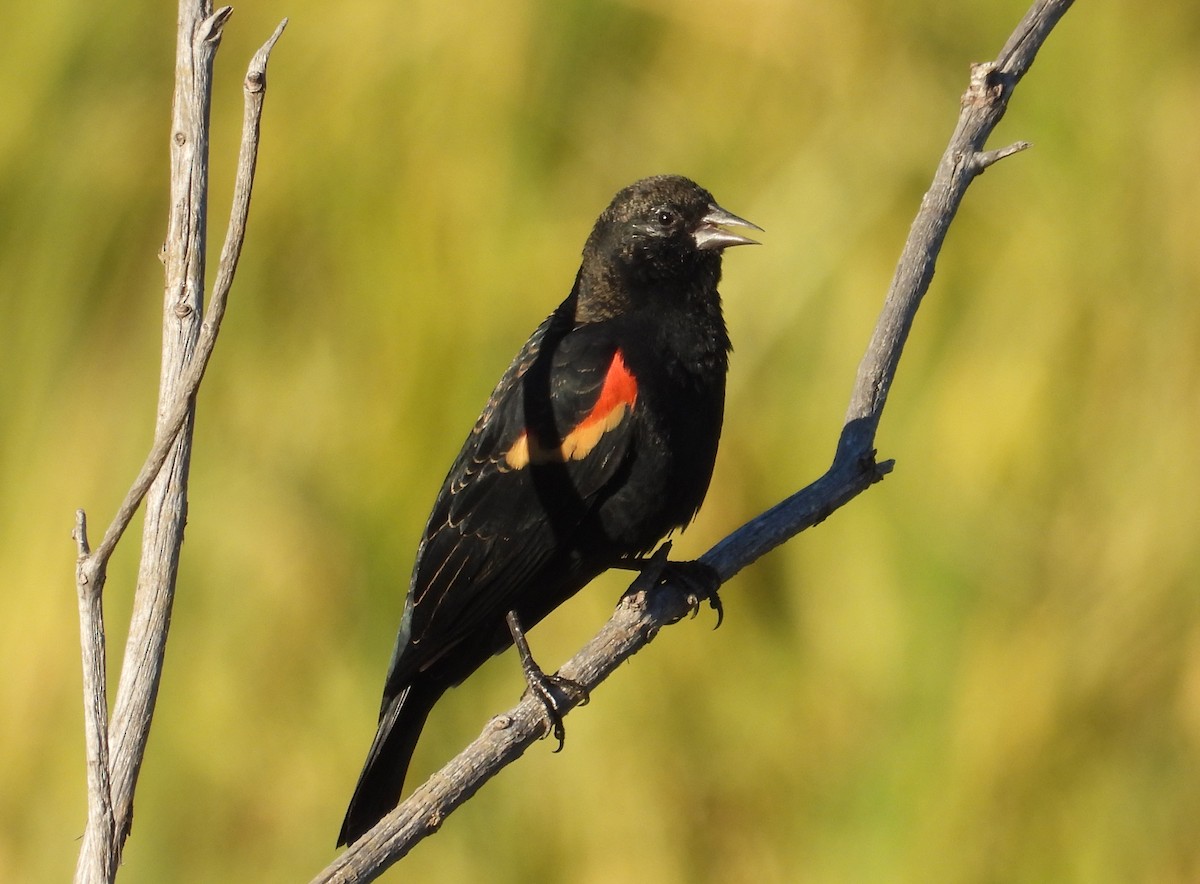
<point>598,441</point>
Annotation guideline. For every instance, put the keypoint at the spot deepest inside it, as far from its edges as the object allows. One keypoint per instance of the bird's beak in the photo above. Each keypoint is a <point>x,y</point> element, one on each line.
<point>709,234</point>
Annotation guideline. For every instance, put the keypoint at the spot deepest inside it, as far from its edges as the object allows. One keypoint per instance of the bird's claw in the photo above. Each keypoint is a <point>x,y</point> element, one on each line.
<point>714,602</point>
<point>699,579</point>
<point>543,686</point>
<point>702,583</point>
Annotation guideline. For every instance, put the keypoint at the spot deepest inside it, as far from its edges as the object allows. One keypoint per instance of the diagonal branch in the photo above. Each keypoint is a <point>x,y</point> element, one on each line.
<point>116,749</point>
<point>645,608</point>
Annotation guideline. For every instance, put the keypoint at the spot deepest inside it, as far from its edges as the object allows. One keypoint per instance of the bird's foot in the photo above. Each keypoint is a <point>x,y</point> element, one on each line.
<point>700,580</point>
<point>544,686</point>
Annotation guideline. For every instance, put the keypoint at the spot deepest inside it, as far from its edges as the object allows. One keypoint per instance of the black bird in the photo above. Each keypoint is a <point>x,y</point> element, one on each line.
<point>598,441</point>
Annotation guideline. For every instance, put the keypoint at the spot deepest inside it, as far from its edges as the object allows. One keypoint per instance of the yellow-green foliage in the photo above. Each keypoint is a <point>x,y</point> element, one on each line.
<point>985,669</point>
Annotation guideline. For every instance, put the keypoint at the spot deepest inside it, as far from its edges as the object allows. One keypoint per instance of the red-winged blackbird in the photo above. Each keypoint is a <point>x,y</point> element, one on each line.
<point>598,441</point>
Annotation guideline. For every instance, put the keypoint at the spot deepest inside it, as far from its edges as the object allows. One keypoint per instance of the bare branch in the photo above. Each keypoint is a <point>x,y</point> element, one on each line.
<point>645,609</point>
<point>255,89</point>
<point>166,499</point>
<point>162,481</point>
<point>98,861</point>
<point>983,159</point>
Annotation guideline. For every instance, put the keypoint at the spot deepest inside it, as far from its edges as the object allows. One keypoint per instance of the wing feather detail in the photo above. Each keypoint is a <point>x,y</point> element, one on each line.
<point>553,437</point>
<point>617,396</point>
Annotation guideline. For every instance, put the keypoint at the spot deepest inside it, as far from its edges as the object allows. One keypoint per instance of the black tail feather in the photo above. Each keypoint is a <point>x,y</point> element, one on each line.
<point>382,777</point>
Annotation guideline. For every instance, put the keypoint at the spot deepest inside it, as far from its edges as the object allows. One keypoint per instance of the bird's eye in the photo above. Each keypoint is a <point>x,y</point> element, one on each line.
<point>665,217</point>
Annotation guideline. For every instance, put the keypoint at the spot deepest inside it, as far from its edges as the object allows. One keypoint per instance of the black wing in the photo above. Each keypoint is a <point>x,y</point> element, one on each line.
<point>552,439</point>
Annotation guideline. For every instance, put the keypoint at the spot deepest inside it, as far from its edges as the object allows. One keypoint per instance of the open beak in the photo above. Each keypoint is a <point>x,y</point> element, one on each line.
<point>710,233</point>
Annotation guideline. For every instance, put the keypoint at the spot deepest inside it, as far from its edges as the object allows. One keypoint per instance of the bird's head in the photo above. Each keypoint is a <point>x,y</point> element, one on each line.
<point>661,235</point>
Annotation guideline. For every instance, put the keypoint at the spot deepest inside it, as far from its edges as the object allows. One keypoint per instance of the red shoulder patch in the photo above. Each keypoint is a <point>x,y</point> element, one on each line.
<point>619,392</point>
<point>617,396</point>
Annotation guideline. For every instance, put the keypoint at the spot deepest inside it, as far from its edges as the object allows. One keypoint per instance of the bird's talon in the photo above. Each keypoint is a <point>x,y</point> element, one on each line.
<point>543,686</point>
<point>578,694</point>
<point>714,602</point>
<point>702,583</point>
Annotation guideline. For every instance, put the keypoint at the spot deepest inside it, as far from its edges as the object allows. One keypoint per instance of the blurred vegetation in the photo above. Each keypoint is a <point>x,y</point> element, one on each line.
<point>985,669</point>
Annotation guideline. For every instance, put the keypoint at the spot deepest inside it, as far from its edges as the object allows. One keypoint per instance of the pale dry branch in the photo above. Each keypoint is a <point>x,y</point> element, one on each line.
<point>101,858</point>
<point>116,748</point>
<point>646,609</point>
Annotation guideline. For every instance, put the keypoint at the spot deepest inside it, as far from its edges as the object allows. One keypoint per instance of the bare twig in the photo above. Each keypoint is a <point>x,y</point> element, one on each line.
<point>162,481</point>
<point>100,862</point>
<point>168,430</point>
<point>645,609</point>
<point>989,157</point>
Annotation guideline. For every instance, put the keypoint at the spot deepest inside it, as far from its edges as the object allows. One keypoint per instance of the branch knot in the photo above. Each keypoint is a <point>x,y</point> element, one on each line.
<point>987,85</point>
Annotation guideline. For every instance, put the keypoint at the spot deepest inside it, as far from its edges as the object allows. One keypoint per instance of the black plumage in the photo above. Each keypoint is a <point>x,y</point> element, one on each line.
<point>597,442</point>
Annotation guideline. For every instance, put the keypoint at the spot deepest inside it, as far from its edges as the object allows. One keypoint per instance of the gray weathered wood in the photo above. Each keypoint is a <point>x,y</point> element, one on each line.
<point>116,748</point>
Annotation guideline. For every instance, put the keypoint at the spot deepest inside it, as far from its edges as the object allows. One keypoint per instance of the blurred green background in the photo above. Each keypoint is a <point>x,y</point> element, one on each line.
<point>986,669</point>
